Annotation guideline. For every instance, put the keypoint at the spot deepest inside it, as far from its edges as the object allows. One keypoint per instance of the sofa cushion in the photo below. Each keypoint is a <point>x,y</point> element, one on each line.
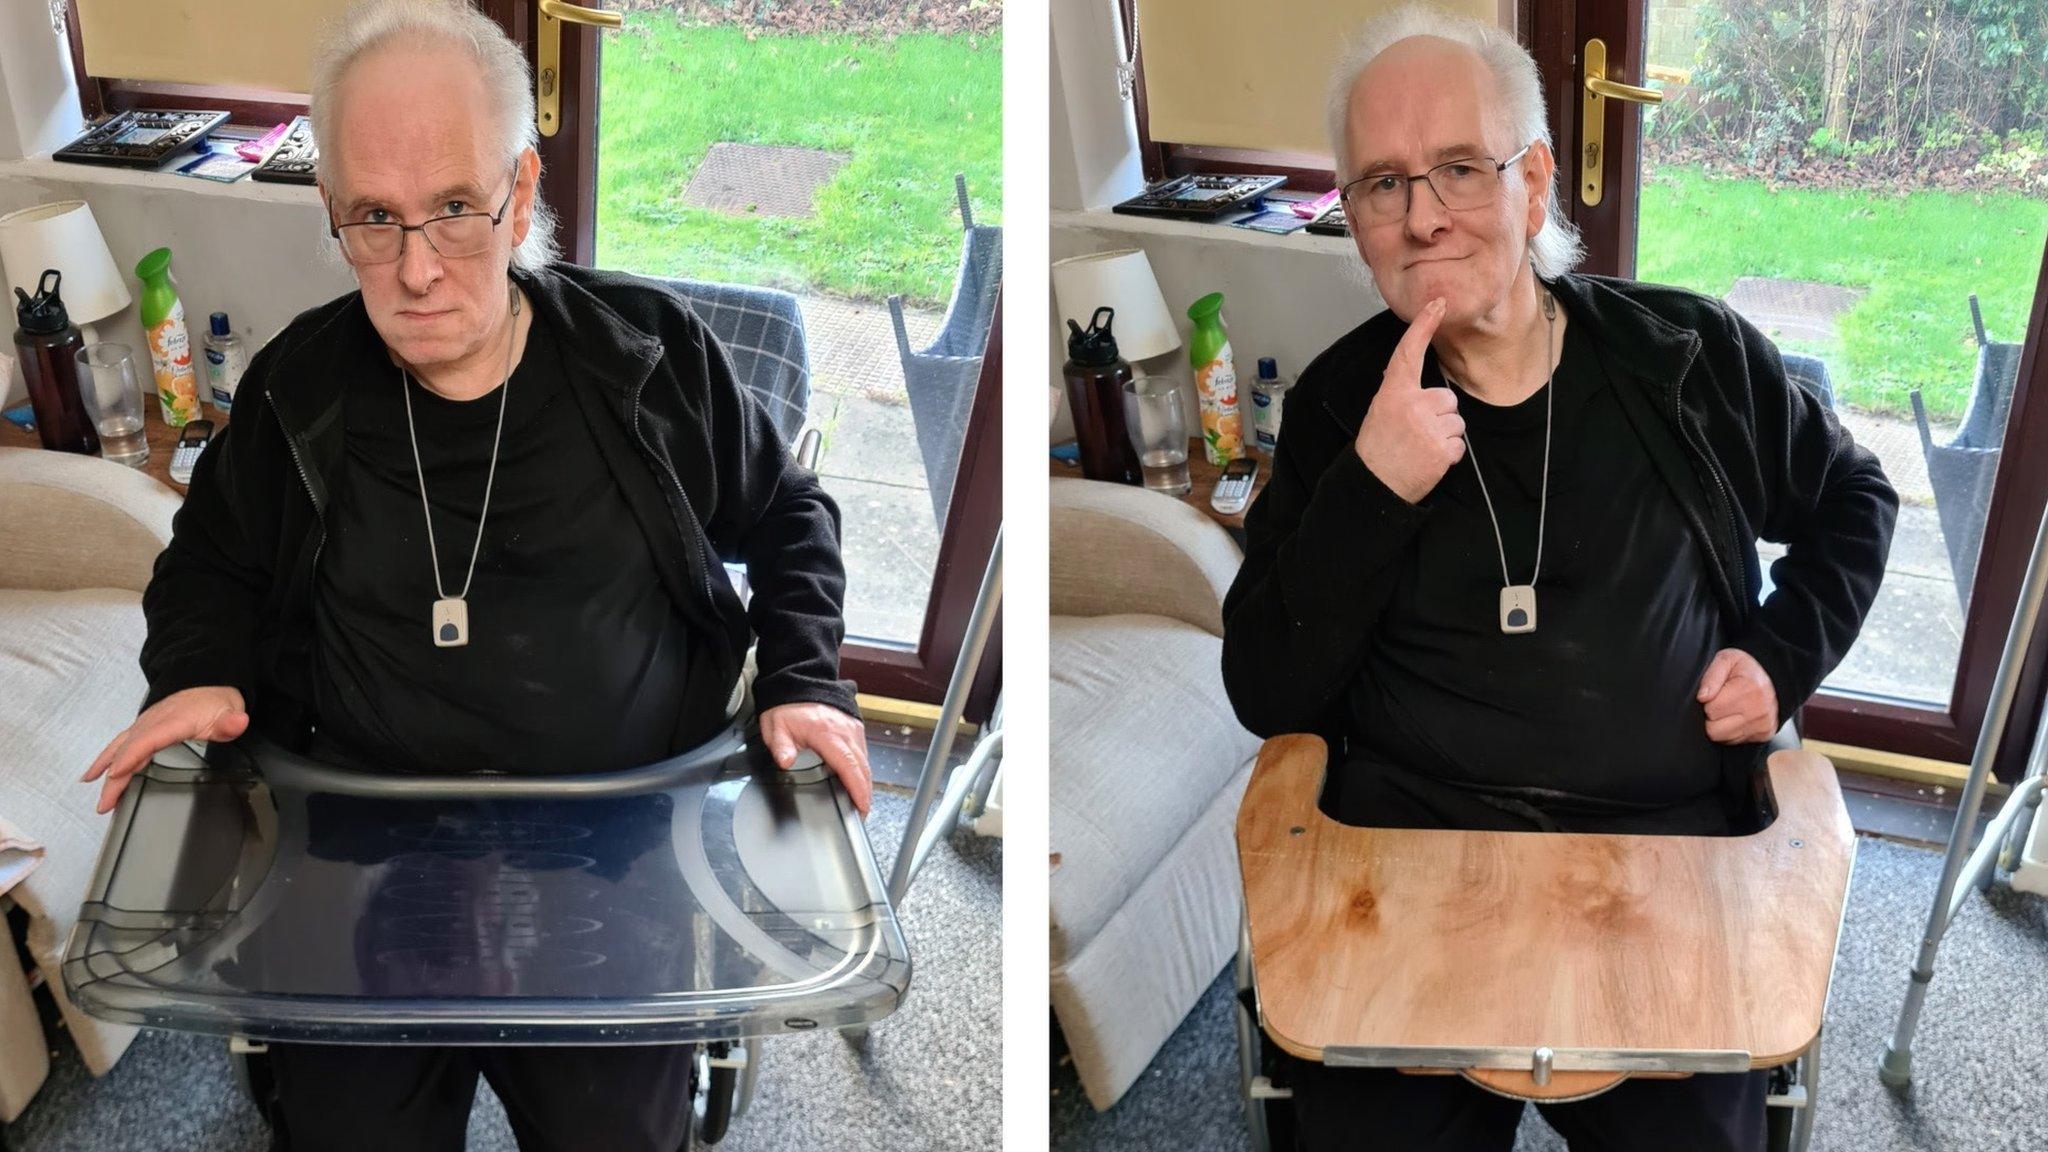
<point>1143,741</point>
<point>68,683</point>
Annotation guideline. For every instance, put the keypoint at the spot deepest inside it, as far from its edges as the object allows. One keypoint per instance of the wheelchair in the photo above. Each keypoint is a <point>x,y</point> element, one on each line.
<point>711,900</point>
<point>1581,923</point>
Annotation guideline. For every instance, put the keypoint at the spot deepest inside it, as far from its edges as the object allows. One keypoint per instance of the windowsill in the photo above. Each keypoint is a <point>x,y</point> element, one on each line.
<point>1103,220</point>
<point>109,176</point>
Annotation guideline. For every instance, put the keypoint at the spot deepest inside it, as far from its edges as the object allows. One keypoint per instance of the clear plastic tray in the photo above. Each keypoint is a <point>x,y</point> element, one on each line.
<point>708,897</point>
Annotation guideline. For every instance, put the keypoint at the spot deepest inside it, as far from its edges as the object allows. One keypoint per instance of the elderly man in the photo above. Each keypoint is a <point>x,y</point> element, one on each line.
<point>1507,558</point>
<point>470,517</point>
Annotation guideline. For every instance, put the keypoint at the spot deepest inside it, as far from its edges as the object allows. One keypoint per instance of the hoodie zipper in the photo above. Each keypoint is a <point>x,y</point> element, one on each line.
<point>1713,471</point>
<point>291,444</point>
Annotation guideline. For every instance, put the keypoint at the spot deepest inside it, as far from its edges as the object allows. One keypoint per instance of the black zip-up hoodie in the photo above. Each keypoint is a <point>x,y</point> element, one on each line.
<point>1747,453</point>
<point>697,456</point>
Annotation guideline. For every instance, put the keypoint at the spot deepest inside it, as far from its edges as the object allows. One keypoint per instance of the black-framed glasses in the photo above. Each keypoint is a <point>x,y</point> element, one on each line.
<point>1382,197</point>
<point>453,236</point>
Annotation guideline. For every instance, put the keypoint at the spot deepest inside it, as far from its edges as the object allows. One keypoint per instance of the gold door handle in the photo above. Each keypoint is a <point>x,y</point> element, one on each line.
<point>1599,89</point>
<point>547,78</point>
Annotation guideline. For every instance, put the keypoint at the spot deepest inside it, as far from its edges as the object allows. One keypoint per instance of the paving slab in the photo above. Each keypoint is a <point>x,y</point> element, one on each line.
<point>853,344</point>
<point>1910,642</point>
<point>889,543</point>
<point>869,438</point>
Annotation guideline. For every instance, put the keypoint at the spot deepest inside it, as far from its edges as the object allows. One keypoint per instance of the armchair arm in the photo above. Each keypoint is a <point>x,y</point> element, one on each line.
<point>1116,548</point>
<point>79,522</point>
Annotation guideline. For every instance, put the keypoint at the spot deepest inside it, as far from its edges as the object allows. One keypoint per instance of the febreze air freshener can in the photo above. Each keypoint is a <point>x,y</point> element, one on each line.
<point>170,345</point>
<point>1215,381</point>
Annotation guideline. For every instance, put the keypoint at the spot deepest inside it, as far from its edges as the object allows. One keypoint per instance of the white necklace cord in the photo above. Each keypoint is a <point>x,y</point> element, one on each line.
<point>412,434</point>
<point>1543,502</point>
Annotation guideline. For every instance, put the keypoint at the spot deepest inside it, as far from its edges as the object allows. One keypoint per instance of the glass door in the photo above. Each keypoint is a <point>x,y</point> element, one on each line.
<point>1867,182</point>
<point>852,160</point>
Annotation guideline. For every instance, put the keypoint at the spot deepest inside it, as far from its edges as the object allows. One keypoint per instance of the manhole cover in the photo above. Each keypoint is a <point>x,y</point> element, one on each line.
<point>761,180</point>
<point>1792,309</point>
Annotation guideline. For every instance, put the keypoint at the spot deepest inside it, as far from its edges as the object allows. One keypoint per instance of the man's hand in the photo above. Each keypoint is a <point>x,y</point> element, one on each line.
<point>1412,435</point>
<point>832,734</point>
<point>1741,701</point>
<point>194,714</point>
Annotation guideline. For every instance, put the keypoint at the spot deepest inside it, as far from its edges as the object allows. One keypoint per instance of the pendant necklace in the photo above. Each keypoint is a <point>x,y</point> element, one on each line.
<point>451,613</point>
<point>1518,601</point>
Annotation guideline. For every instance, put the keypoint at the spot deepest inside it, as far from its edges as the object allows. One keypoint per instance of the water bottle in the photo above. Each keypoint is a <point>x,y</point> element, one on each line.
<point>47,344</point>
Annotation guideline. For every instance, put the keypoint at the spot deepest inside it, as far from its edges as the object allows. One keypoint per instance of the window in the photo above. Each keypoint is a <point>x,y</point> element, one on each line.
<point>821,161</point>
<point>1240,88</point>
<point>136,54</point>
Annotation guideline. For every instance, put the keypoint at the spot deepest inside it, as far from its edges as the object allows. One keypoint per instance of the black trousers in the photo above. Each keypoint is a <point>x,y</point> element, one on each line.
<point>1381,1110</point>
<point>349,1098</point>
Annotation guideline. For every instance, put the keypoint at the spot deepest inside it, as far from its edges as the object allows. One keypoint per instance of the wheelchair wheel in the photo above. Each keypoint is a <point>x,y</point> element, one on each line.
<point>714,1090</point>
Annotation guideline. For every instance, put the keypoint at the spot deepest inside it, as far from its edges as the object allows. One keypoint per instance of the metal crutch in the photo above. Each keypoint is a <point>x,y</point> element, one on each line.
<point>911,853</point>
<point>1896,1067</point>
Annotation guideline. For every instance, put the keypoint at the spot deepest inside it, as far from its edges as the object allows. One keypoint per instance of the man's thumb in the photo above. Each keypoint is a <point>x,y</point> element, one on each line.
<point>1717,674</point>
<point>226,726</point>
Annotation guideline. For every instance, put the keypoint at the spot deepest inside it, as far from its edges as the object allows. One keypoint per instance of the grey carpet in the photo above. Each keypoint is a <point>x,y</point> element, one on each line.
<point>928,1077</point>
<point>1979,1061</point>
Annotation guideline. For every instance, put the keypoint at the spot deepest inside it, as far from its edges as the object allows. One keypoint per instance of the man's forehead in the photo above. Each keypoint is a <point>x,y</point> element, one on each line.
<point>1424,98</point>
<point>397,189</point>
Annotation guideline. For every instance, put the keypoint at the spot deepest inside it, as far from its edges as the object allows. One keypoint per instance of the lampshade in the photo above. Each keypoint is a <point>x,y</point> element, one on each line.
<point>1121,280</point>
<point>63,236</point>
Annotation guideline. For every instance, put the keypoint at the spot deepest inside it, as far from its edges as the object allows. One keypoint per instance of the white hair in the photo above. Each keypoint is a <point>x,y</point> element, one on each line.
<point>1517,105</point>
<point>508,83</point>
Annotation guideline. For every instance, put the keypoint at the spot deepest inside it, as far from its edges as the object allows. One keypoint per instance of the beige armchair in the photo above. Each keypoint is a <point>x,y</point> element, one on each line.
<point>1148,763</point>
<point>78,538</point>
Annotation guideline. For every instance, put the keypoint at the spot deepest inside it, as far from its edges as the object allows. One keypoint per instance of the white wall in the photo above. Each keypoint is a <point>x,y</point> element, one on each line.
<point>254,251</point>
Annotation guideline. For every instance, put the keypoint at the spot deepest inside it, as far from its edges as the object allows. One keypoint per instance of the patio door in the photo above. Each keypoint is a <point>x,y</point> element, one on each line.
<point>1866,181</point>
<point>716,150</point>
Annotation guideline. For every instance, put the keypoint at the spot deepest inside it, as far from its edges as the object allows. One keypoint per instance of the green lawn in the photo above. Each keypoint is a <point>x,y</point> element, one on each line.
<point>1919,257</point>
<point>910,112</point>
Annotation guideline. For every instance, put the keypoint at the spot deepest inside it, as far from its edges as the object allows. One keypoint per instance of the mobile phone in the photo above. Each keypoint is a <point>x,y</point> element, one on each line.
<point>191,442</point>
<point>1234,487</point>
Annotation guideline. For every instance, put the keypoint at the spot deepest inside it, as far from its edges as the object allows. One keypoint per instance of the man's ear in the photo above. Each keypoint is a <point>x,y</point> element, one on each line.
<point>1539,170</point>
<point>528,182</point>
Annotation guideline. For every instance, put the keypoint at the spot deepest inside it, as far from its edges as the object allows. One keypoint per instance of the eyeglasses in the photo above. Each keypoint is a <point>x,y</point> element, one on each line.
<point>1382,197</point>
<point>453,236</point>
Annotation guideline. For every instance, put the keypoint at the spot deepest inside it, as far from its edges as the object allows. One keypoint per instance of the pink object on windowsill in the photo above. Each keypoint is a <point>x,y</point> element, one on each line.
<point>1316,209</point>
<point>255,151</point>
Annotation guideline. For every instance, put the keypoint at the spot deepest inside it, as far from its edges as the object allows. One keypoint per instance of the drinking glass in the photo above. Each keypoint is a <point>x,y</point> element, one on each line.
<point>1159,431</point>
<point>112,391</point>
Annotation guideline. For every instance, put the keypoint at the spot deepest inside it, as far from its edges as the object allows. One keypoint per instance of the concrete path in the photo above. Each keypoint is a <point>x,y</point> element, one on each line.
<point>871,464</point>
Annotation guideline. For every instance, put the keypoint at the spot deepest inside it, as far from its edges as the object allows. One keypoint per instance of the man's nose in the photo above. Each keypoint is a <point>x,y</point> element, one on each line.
<point>1426,212</point>
<point>418,264</point>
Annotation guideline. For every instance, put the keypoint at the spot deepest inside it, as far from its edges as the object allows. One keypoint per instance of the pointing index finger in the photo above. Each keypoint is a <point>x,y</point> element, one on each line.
<point>1404,368</point>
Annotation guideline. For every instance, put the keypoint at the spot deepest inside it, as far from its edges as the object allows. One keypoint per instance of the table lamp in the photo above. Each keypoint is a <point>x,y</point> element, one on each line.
<point>1121,280</point>
<point>63,235</point>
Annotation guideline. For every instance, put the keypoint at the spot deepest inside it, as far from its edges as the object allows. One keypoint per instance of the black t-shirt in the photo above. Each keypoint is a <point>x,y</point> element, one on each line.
<point>1595,709</point>
<point>575,660</point>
